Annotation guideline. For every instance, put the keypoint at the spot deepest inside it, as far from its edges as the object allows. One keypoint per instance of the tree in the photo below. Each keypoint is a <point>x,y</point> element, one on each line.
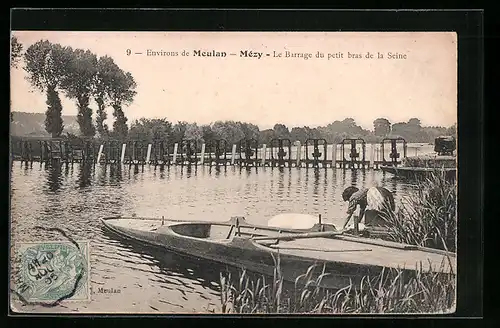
<point>150,130</point>
<point>193,132</point>
<point>414,122</point>
<point>265,136</point>
<point>53,118</point>
<point>47,67</point>
<point>382,127</point>
<point>250,131</point>
<point>298,134</point>
<point>410,131</point>
<point>106,69</point>
<point>16,49</point>
<point>452,130</point>
<point>121,91</point>
<point>15,56</point>
<point>179,131</point>
<point>161,129</point>
<point>339,130</point>
<point>208,133</point>
<point>79,84</point>
<point>229,131</point>
<point>281,131</point>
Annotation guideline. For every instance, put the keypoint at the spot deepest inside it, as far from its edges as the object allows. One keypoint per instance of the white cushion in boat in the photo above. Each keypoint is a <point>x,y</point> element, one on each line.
<point>293,221</point>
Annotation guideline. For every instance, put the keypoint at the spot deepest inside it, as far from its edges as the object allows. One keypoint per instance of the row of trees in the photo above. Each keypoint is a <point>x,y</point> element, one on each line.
<point>81,76</point>
<point>151,129</point>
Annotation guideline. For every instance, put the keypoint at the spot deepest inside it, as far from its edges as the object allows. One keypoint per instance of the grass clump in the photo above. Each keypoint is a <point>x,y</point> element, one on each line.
<point>390,292</point>
<point>427,217</point>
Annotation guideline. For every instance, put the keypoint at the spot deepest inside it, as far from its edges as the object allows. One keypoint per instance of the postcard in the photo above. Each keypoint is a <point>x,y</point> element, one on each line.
<point>233,172</point>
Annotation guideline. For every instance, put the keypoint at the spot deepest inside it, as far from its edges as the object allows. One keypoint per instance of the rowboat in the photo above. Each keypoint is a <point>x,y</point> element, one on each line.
<point>418,172</point>
<point>421,167</point>
<point>260,249</point>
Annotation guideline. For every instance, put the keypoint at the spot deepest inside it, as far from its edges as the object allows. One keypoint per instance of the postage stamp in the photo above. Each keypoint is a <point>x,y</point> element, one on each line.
<point>50,272</point>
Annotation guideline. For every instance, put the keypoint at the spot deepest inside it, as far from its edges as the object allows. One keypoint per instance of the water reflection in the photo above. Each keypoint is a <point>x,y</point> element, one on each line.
<point>281,183</point>
<point>316,181</point>
<point>85,175</point>
<point>75,202</point>
<point>171,264</point>
<point>189,170</point>
<point>54,177</point>
<point>115,174</point>
<point>217,170</point>
<point>325,181</point>
<point>67,169</point>
<point>137,169</point>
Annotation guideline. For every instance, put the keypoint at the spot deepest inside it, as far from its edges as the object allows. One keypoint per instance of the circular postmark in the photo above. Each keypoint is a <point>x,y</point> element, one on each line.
<point>51,272</point>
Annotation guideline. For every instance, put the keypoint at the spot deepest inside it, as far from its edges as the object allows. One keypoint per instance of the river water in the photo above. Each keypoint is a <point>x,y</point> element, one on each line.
<point>74,197</point>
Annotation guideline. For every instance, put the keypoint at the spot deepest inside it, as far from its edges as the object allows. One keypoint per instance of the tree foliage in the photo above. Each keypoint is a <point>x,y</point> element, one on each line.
<point>249,130</point>
<point>47,67</point>
<point>229,131</point>
<point>83,77</point>
<point>16,49</point>
<point>208,133</point>
<point>179,131</point>
<point>193,132</point>
<point>106,70</point>
<point>79,85</point>
<point>281,131</point>
<point>121,93</point>
<point>151,130</point>
<point>53,116</point>
<point>382,127</point>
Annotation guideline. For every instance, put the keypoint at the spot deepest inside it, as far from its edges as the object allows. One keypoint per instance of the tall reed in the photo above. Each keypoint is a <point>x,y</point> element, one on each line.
<point>424,292</point>
<point>427,217</point>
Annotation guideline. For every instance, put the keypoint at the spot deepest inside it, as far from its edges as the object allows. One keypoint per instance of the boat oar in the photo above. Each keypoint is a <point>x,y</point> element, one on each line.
<point>301,235</point>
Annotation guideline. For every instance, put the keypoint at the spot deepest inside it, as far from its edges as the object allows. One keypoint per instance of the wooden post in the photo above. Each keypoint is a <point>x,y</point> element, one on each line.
<point>174,159</point>
<point>99,154</point>
<point>299,152</point>
<point>122,159</point>
<point>233,154</point>
<point>202,159</point>
<point>148,154</point>
<point>334,156</point>
<point>372,156</point>
<point>263,154</point>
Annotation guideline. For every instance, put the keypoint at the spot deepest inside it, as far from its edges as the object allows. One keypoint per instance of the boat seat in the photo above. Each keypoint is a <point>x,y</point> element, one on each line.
<point>231,232</point>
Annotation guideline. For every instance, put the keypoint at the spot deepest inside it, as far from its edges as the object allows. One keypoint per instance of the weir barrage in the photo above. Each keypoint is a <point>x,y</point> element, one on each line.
<point>350,153</point>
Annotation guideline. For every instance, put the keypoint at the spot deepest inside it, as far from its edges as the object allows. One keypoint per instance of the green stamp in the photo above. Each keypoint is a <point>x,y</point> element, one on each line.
<point>53,271</point>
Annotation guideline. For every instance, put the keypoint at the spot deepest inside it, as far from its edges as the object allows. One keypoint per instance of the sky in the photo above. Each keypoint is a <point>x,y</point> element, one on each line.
<point>289,90</point>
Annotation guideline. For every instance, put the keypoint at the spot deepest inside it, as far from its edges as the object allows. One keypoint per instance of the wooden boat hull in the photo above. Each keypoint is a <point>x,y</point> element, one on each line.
<point>418,172</point>
<point>348,259</point>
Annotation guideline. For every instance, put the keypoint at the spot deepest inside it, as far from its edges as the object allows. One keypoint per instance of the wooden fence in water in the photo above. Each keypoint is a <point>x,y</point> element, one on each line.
<point>349,154</point>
